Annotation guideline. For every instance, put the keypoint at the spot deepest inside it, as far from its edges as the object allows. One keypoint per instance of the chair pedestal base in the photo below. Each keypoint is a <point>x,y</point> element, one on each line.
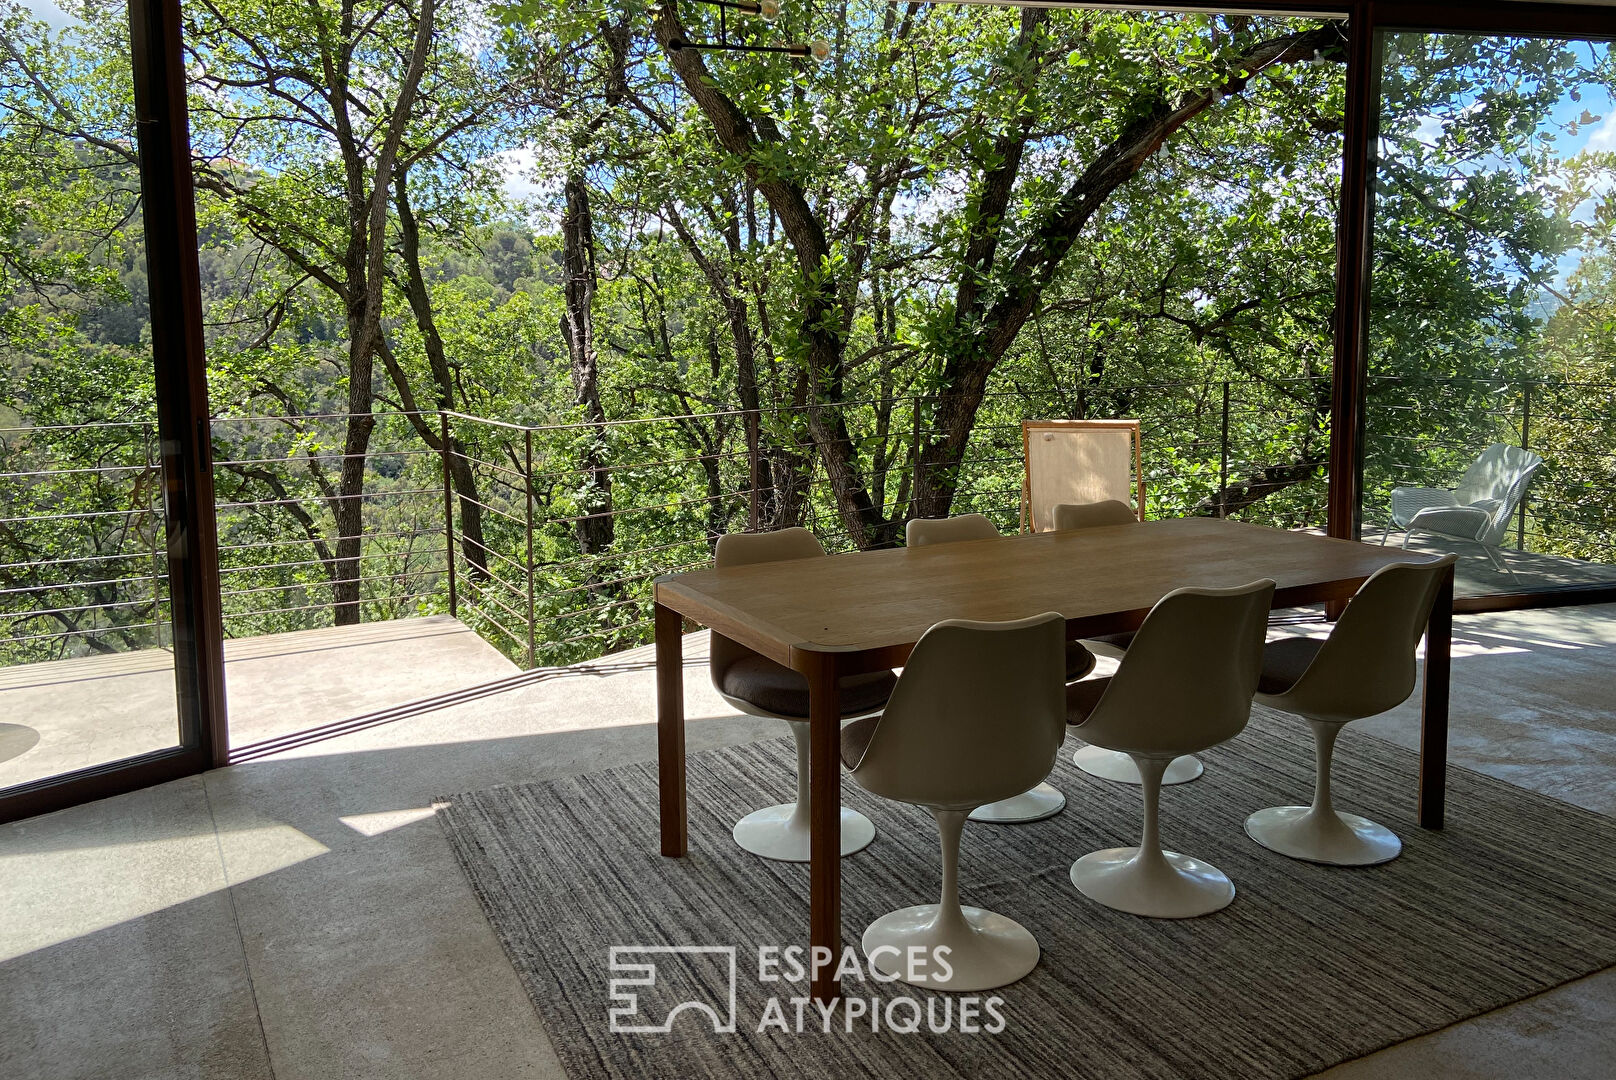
<point>1118,766</point>
<point>986,950</point>
<point>1039,803</point>
<point>1158,884</point>
<point>779,832</point>
<point>1323,836</point>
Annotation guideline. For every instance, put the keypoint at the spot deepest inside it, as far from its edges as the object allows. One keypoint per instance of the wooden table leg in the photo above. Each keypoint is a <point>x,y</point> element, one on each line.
<point>670,685</point>
<point>1434,710</point>
<point>825,844</point>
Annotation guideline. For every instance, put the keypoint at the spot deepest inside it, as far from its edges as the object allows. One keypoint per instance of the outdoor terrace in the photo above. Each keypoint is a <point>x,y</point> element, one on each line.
<point>69,714</point>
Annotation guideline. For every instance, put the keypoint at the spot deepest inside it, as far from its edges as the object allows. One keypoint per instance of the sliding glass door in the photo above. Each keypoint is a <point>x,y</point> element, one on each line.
<point>1490,428</point>
<point>97,660</point>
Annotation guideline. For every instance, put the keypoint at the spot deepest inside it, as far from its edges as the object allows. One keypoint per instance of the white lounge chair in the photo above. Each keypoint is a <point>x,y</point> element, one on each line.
<point>1478,510</point>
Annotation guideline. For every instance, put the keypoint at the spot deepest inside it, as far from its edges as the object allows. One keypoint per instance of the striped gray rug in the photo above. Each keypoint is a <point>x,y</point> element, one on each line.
<point>1309,967</point>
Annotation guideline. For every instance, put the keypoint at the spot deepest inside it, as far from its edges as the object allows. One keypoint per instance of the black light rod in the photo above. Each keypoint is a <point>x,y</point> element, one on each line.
<point>675,44</point>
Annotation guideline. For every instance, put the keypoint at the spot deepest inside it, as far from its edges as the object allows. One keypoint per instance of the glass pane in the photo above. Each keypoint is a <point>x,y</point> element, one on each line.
<point>1493,318</point>
<point>88,677</point>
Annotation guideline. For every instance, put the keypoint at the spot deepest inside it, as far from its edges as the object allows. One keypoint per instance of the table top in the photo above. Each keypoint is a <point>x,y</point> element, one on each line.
<point>1101,580</point>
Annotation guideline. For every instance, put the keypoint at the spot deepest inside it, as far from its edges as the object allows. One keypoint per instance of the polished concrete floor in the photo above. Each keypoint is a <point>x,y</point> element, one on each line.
<point>301,916</point>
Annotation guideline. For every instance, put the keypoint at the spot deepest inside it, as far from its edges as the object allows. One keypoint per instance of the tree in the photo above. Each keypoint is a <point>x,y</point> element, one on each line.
<point>292,76</point>
<point>994,294</point>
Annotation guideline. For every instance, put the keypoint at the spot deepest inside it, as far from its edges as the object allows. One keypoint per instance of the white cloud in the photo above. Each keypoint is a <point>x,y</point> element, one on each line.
<point>526,182</point>
<point>1604,136</point>
<point>1429,129</point>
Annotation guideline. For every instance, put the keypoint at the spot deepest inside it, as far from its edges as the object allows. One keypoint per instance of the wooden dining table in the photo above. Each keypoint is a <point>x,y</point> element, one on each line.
<point>846,614</point>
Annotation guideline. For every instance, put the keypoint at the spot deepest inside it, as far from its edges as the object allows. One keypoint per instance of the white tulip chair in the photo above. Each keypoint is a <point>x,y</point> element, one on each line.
<point>1366,666</point>
<point>1185,684</point>
<point>1045,799</point>
<point>758,686</point>
<point>1097,760</point>
<point>976,717</point>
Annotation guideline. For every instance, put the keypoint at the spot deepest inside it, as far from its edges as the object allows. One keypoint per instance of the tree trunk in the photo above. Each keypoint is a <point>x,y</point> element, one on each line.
<point>364,265</point>
<point>1029,272</point>
<point>350,509</point>
<point>986,321</point>
<point>462,478</point>
<point>595,526</point>
<point>822,315</point>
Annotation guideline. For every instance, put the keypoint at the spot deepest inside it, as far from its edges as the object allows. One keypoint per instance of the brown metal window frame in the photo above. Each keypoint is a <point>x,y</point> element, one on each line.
<point>177,343</point>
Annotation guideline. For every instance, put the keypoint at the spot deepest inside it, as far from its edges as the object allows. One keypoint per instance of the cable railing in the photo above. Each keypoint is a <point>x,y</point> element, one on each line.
<point>560,558</point>
<point>546,538</point>
<point>82,562</point>
<point>289,558</point>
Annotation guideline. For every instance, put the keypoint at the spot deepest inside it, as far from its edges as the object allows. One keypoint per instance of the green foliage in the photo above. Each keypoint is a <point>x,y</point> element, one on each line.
<point>937,157</point>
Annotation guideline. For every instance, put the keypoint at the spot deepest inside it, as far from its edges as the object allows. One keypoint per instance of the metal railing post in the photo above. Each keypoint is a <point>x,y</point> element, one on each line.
<point>157,528</point>
<point>754,423</point>
<point>448,512</point>
<point>1223,458</point>
<point>1526,444</point>
<point>527,483</point>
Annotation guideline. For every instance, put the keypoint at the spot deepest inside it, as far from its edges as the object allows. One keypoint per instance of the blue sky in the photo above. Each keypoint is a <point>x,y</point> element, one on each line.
<point>1595,99</point>
<point>49,12</point>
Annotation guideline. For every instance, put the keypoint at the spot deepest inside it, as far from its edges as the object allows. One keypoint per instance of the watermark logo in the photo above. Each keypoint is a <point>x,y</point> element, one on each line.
<point>630,979</point>
<point>648,995</point>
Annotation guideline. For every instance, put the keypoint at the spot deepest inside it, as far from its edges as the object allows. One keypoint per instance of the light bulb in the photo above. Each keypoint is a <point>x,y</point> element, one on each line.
<point>769,9</point>
<point>819,50</point>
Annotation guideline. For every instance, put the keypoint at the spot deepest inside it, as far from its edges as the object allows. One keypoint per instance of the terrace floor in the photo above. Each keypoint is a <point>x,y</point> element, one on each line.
<point>62,715</point>
<point>1528,571</point>
<point>300,915</point>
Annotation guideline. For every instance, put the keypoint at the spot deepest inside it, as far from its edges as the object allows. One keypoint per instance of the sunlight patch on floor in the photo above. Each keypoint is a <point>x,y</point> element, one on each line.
<point>382,821</point>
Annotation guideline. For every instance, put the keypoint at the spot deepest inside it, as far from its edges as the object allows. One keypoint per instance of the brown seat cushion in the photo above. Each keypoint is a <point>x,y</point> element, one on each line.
<point>1079,661</point>
<point>775,689</point>
<point>1285,661</point>
<point>1082,697</point>
<point>856,739</point>
<point>1116,641</point>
